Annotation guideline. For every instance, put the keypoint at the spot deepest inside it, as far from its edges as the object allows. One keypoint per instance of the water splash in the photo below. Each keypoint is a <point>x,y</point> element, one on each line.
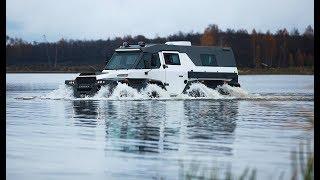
<point>104,92</point>
<point>123,91</point>
<point>152,91</point>
<point>63,92</point>
<point>199,90</point>
<point>236,91</point>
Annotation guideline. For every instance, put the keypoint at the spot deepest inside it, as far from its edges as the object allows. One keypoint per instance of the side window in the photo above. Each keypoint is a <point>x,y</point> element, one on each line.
<point>208,60</point>
<point>155,61</point>
<point>149,61</point>
<point>140,65</point>
<point>144,62</point>
<point>171,58</point>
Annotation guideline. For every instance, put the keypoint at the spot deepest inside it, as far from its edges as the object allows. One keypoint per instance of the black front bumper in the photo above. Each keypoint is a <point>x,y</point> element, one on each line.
<point>89,86</point>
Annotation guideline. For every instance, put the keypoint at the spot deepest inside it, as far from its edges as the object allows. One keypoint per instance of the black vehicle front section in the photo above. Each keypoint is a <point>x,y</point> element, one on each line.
<point>85,85</point>
<point>88,86</point>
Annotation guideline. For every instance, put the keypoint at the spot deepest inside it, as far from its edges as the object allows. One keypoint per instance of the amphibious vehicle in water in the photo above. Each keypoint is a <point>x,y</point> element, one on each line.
<point>173,66</point>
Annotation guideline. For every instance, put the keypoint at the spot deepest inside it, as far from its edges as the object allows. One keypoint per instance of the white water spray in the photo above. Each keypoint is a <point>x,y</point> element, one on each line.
<point>199,90</point>
<point>63,92</point>
<point>152,91</point>
<point>124,92</point>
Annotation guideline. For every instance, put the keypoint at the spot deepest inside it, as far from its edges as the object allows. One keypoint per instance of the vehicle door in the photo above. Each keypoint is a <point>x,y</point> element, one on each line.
<point>151,65</point>
<point>174,72</point>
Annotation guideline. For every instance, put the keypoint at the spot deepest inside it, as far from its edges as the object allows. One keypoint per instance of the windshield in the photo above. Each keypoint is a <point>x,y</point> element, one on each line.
<point>123,60</point>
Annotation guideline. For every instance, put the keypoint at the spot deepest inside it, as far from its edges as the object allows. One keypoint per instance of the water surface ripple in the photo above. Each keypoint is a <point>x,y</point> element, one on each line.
<point>101,138</point>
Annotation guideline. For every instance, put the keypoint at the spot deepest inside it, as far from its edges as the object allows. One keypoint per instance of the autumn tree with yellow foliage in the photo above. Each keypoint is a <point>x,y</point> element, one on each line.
<point>210,35</point>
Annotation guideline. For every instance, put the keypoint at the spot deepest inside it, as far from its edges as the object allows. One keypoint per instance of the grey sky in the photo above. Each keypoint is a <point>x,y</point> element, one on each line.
<point>100,19</point>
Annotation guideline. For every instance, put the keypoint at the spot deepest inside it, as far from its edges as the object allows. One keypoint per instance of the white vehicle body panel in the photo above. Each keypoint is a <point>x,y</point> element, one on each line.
<point>174,76</point>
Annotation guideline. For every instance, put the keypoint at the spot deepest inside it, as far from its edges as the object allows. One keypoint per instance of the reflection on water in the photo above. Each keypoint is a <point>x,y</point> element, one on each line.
<point>211,116</point>
<point>159,126</point>
<point>85,113</point>
<point>213,122</point>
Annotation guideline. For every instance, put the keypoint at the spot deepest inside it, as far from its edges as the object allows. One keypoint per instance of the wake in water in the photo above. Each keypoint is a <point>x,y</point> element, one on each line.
<point>152,91</point>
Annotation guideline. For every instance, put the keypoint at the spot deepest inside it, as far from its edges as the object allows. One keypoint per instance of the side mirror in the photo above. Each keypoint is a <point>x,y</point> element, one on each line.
<point>164,66</point>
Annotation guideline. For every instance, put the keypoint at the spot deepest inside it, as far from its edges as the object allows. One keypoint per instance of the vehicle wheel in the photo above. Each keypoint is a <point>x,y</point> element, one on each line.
<point>196,93</point>
<point>154,94</point>
<point>223,91</point>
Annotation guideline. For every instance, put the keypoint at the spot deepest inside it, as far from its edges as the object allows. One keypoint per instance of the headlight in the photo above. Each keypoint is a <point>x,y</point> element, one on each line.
<point>100,81</point>
<point>70,82</point>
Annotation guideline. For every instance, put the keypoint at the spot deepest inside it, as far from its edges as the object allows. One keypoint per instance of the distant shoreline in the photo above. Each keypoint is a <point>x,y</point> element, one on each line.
<point>242,71</point>
<point>280,71</point>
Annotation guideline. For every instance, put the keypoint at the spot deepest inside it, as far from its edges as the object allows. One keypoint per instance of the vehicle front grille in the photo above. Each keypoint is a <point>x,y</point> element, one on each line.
<point>85,80</point>
<point>81,89</point>
<point>85,84</point>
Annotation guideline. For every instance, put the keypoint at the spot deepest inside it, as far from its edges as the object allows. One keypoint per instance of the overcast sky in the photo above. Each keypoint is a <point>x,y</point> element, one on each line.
<point>100,19</point>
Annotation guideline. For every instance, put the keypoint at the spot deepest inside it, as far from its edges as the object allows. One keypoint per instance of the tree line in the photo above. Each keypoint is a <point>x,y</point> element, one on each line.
<point>255,49</point>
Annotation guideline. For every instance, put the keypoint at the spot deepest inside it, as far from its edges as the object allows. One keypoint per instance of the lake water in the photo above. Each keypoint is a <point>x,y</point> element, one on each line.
<point>51,135</point>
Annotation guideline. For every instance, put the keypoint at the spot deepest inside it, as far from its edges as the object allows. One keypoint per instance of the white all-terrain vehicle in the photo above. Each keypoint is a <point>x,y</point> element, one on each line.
<point>174,66</point>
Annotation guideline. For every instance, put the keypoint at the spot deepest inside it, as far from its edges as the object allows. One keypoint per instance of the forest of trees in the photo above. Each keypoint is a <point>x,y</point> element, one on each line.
<point>255,49</point>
